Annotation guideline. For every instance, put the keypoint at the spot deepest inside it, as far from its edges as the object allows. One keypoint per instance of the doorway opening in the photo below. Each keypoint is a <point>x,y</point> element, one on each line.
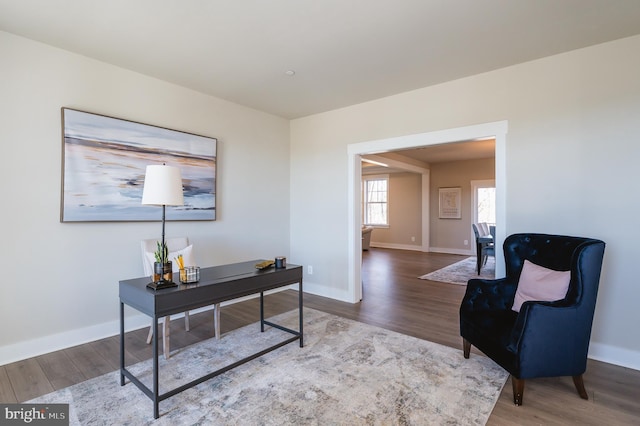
<point>497,130</point>
<point>483,203</point>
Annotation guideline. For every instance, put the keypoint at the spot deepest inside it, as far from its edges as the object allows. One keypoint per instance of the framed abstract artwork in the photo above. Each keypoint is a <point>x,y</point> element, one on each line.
<point>449,205</point>
<point>103,167</point>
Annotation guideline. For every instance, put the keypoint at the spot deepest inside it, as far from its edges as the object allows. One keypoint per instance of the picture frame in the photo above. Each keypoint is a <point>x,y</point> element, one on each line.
<point>450,203</point>
<point>104,161</point>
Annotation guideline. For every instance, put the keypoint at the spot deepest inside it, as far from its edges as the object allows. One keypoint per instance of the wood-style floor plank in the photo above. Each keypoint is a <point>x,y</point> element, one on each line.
<point>136,346</point>
<point>395,299</point>
<point>28,379</point>
<point>109,348</point>
<point>6,391</point>
<point>89,361</point>
<point>59,369</point>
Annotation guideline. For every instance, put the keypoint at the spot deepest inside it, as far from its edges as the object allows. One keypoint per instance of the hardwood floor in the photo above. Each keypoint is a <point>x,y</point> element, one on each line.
<point>393,298</point>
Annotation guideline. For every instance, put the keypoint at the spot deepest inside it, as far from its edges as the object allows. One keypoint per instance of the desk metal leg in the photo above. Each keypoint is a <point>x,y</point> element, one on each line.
<point>262,311</point>
<point>156,387</point>
<point>153,391</point>
<point>121,344</point>
<point>300,312</point>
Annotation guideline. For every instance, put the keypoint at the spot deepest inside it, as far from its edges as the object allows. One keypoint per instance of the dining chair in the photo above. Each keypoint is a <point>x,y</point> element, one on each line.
<point>175,246</point>
<point>484,247</point>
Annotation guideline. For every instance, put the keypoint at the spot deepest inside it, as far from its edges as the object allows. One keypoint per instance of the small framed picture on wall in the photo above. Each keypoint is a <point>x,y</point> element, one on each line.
<point>449,203</point>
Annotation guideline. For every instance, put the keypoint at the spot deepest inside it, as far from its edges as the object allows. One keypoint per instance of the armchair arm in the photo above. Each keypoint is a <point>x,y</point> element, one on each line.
<point>550,339</point>
<point>489,295</point>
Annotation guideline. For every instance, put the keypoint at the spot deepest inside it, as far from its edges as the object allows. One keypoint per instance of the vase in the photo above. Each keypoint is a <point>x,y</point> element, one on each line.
<point>162,272</point>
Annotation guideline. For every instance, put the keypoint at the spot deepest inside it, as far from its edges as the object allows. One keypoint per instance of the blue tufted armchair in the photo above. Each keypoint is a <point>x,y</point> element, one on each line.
<point>544,339</point>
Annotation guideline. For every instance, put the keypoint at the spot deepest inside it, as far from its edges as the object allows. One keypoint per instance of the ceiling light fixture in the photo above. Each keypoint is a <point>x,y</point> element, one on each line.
<point>290,73</point>
<point>376,163</point>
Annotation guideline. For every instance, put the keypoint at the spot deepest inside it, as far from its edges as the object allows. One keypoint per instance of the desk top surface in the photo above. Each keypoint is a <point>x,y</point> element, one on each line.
<point>222,273</point>
<point>217,284</point>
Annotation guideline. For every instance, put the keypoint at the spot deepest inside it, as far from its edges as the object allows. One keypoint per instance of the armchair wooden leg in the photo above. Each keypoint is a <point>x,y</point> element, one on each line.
<point>466,347</point>
<point>518,390</point>
<point>577,380</point>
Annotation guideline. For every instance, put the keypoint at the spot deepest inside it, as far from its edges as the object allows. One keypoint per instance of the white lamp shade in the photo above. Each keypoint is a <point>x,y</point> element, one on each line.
<point>162,186</point>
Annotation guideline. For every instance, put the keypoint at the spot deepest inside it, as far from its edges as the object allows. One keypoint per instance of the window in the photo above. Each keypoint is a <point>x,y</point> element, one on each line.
<point>484,201</point>
<point>375,196</point>
<point>487,205</point>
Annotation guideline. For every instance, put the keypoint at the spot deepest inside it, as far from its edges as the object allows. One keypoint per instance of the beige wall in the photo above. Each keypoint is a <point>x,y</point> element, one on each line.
<point>405,208</point>
<point>572,139</point>
<point>60,280</point>
<point>405,213</point>
<point>448,235</point>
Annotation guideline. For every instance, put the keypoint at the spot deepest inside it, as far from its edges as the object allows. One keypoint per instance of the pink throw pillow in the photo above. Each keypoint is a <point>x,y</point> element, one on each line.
<point>539,283</point>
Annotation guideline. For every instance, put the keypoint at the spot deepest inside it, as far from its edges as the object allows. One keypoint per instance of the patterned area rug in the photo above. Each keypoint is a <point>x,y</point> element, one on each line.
<point>347,373</point>
<point>463,271</point>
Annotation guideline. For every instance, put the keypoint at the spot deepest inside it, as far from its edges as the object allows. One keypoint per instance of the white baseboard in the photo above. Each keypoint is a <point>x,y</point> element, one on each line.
<point>320,290</point>
<point>615,355</point>
<point>396,246</point>
<point>55,342</point>
<point>463,252</point>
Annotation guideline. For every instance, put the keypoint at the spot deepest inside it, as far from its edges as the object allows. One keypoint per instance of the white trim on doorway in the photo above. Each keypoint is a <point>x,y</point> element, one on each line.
<point>497,129</point>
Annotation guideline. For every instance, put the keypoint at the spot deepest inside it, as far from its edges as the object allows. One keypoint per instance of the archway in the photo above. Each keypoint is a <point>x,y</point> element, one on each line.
<point>498,130</point>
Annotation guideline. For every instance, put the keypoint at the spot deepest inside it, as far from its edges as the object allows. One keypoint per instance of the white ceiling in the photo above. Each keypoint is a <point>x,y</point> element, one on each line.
<point>432,154</point>
<point>343,52</point>
<point>454,151</point>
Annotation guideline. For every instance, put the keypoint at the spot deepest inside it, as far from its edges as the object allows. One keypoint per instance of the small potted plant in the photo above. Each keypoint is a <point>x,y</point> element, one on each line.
<point>162,268</point>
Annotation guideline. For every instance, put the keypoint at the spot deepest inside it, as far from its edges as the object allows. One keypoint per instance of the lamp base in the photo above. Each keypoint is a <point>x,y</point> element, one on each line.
<point>162,284</point>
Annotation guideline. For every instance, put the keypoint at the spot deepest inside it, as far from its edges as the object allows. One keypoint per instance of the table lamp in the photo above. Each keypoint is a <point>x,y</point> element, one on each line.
<point>162,187</point>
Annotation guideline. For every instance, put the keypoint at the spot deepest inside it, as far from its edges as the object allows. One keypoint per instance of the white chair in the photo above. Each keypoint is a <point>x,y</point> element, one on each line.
<point>175,246</point>
<point>366,237</point>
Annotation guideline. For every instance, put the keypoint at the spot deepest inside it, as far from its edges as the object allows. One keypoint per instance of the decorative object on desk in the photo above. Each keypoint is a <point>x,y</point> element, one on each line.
<point>281,262</point>
<point>182,273</point>
<point>162,187</point>
<point>162,270</point>
<point>180,261</point>
<point>266,264</point>
<point>389,378</point>
<point>187,274</point>
<point>190,274</point>
<point>103,163</point>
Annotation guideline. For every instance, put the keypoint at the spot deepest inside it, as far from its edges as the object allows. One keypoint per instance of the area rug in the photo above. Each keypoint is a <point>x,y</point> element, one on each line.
<point>348,373</point>
<point>462,271</point>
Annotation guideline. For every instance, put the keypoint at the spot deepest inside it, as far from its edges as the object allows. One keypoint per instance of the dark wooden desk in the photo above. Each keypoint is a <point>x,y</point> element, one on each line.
<point>217,284</point>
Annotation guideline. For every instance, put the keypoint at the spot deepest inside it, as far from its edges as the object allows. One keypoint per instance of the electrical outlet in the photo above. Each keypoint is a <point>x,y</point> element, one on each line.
<point>413,239</point>
<point>466,242</point>
<point>310,270</point>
